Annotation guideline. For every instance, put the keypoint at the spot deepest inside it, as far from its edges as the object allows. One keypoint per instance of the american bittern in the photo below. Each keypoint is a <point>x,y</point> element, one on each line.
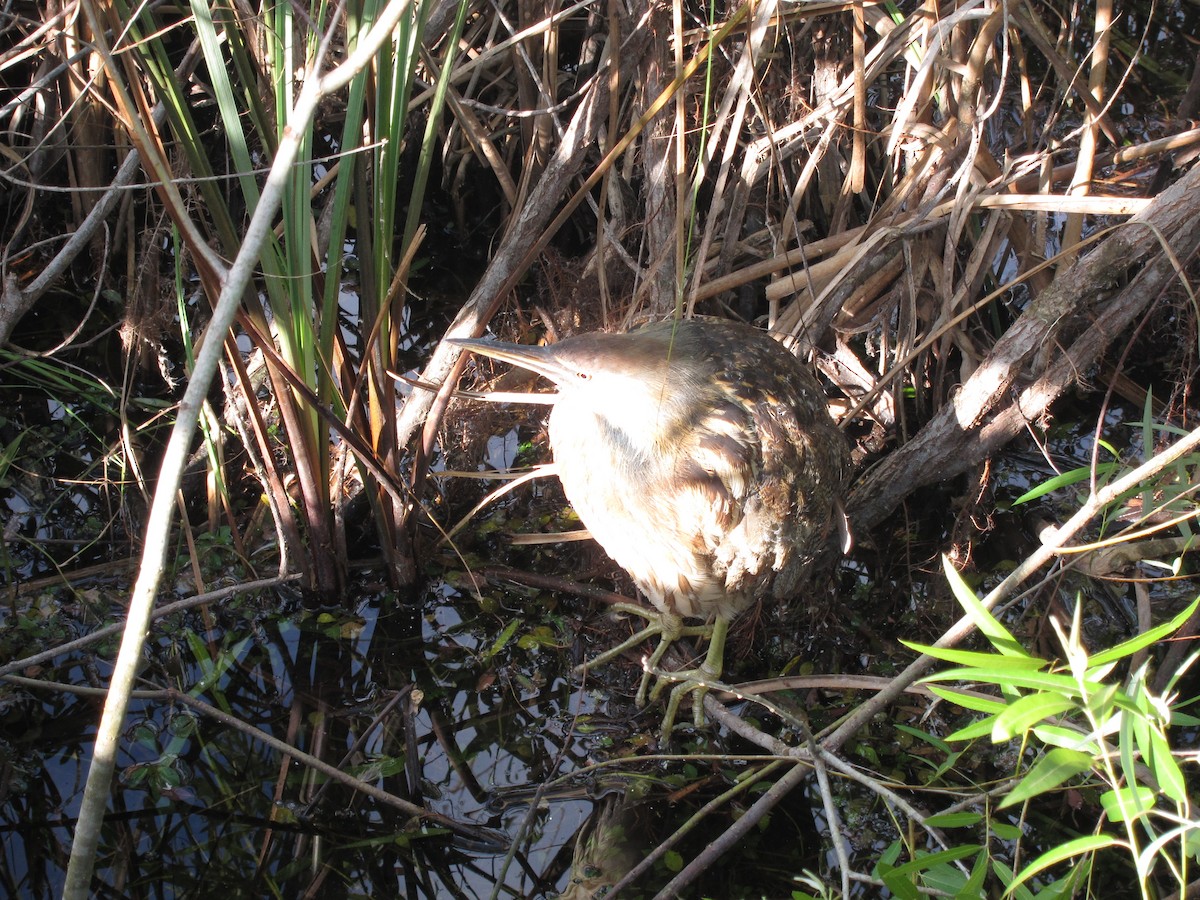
<point>701,456</point>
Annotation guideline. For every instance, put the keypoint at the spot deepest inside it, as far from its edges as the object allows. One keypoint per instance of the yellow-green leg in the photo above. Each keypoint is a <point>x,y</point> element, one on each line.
<point>696,681</point>
<point>669,628</point>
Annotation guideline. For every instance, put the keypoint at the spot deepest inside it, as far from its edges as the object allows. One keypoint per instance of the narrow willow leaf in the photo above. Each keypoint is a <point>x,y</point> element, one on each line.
<point>1089,843</point>
<point>1166,770</point>
<point>1027,711</point>
<point>1131,646</point>
<point>899,885</point>
<point>1180,719</point>
<point>954,820</point>
<point>977,659</point>
<point>1005,874</point>
<point>926,861</point>
<point>979,729</point>
<point>1005,831</point>
<point>1127,802</point>
<point>974,885</point>
<point>1060,736</point>
<point>1038,681</point>
<point>1066,479</point>
<point>1100,704</point>
<point>947,880</point>
<point>1057,766</point>
<point>998,636</point>
<point>926,737</point>
<point>968,701</point>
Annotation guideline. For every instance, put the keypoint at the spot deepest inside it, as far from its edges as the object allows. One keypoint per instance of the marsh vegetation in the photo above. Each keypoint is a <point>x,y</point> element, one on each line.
<point>254,593</point>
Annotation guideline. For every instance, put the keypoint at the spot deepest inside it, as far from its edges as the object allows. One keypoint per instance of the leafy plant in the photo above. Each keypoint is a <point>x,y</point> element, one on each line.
<point>1080,721</point>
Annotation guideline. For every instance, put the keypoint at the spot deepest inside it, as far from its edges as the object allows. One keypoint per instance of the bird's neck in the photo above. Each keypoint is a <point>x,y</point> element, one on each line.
<point>642,450</point>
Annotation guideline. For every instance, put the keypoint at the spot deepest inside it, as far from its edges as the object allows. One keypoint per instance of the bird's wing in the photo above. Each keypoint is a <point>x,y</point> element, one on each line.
<point>754,487</point>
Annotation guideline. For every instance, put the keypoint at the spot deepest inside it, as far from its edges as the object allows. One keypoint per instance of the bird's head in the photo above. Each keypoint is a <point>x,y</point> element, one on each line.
<point>642,385</point>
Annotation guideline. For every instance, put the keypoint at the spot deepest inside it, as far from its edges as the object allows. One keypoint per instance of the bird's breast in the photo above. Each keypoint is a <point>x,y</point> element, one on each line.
<point>669,516</point>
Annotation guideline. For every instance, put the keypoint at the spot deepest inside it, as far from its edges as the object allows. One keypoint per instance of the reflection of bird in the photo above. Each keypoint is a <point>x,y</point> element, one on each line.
<point>701,456</point>
<point>612,841</point>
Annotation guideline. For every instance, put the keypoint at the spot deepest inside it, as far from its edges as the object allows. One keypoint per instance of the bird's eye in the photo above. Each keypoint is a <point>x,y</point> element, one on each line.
<point>584,376</point>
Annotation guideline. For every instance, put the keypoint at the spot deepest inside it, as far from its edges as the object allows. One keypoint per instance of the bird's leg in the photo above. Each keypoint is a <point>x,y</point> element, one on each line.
<point>697,681</point>
<point>652,616</point>
<point>667,626</point>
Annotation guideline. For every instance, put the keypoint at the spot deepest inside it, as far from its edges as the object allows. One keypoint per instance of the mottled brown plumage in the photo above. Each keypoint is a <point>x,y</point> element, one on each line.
<point>701,456</point>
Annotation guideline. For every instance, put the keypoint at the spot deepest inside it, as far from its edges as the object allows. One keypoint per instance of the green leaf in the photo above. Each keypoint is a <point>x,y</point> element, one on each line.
<point>926,861</point>
<point>885,866</point>
<point>1057,766</point>
<point>673,861</point>
<point>954,820</point>
<point>1027,711</point>
<point>1089,843</point>
<point>998,636</point>
<point>890,854</point>
<point>1183,720</point>
<point>1165,769</point>
<point>1006,831</point>
<point>1101,703</point>
<point>1191,843</point>
<point>1132,800</point>
<point>1059,736</point>
<point>976,658</point>
<point>979,729</point>
<point>1005,874</point>
<point>925,737</point>
<point>1131,646</point>
<point>504,637</point>
<point>1066,479</point>
<point>974,885</point>
<point>968,701</point>
<point>1038,681</point>
<point>1067,887</point>
<point>899,885</point>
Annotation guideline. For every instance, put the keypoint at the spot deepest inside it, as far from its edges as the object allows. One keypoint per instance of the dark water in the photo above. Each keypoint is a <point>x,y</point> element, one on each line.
<point>422,702</point>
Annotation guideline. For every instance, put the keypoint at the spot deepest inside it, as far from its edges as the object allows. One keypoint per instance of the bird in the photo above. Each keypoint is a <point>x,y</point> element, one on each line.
<point>701,456</point>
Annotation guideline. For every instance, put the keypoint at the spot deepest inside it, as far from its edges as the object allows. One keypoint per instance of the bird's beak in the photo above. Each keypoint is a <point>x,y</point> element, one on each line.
<point>536,359</point>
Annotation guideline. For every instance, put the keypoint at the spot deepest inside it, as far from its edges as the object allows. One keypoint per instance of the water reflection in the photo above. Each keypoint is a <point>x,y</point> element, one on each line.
<point>425,700</point>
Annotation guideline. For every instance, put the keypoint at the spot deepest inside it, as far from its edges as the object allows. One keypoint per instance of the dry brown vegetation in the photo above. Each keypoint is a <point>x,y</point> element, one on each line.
<point>960,211</point>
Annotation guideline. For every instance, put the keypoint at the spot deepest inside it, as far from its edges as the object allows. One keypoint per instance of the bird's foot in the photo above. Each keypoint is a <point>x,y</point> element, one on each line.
<point>697,682</point>
<point>666,627</point>
<point>669,628</point>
